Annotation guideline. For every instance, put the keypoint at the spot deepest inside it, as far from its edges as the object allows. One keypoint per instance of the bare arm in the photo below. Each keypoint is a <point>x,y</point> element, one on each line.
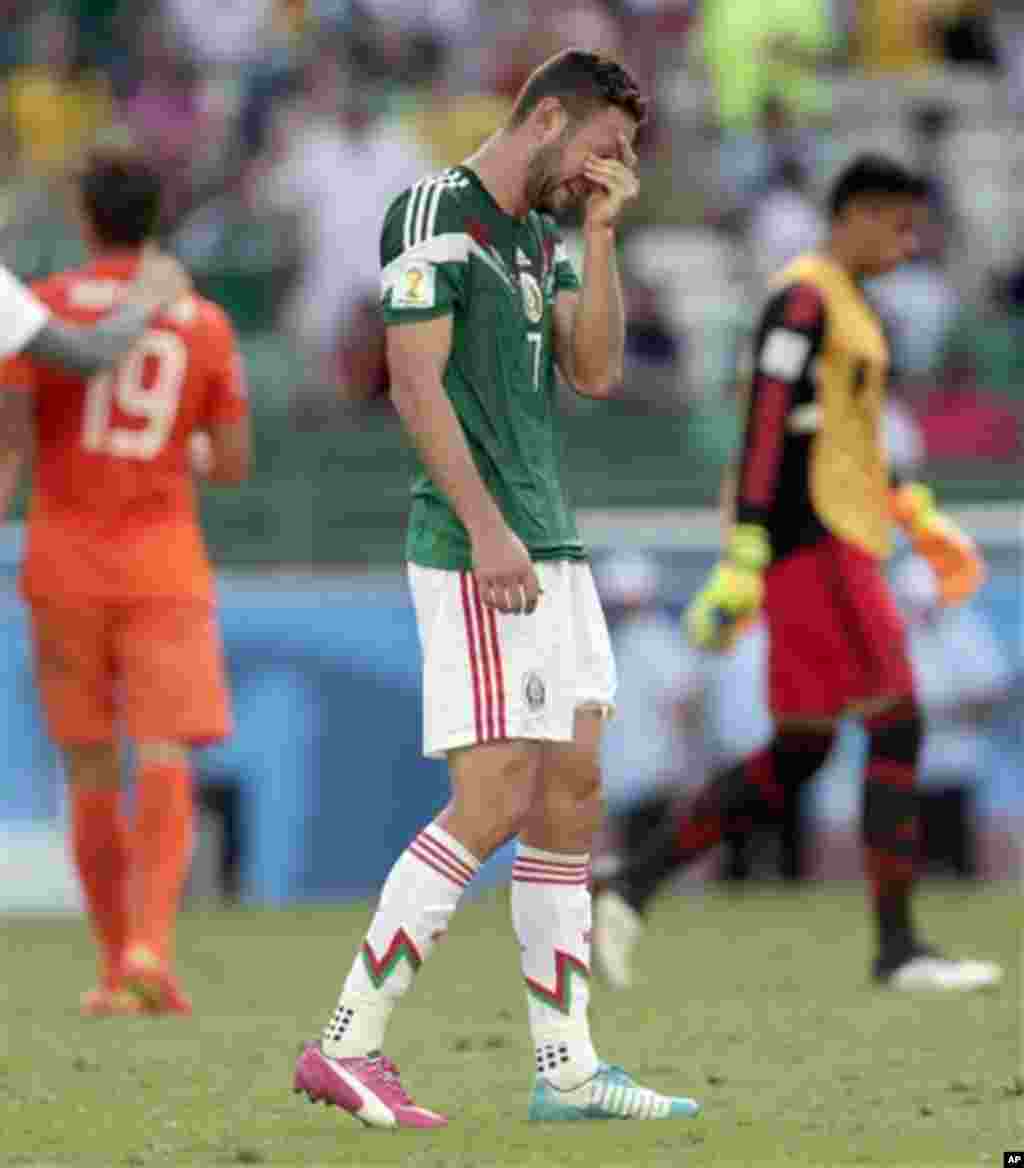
<point>15,435</point>
<point>222,454</point>
<point>590,325</point>
<point>417,355</point>
<point>10,472</point>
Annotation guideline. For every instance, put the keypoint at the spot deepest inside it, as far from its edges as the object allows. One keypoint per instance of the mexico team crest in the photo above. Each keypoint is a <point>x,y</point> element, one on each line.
<point>533,299</point>
<point>534,692</point>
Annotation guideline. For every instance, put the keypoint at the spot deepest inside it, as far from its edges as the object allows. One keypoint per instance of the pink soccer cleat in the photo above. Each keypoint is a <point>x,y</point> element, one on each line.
<point>368,1088</point>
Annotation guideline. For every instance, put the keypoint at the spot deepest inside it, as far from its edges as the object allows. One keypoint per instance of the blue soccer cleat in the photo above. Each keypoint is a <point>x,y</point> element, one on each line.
<point>610,1094</point>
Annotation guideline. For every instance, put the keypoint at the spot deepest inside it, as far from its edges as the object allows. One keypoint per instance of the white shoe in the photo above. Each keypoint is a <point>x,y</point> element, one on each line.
<point>617,928</point>
<point>929,972</point>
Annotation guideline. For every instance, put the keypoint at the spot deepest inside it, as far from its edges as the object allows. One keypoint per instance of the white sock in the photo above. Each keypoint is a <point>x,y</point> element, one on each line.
<point>551,915</point>
<point>416,903</point>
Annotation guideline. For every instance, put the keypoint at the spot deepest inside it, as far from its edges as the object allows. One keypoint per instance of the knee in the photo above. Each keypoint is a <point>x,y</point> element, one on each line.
<point>510,807</point>
<point>583,781</point>
<point>162,753</point>
<point>575,794</point>
<point>94,765</point>
<point>494,805</point>
<point>585,800</point>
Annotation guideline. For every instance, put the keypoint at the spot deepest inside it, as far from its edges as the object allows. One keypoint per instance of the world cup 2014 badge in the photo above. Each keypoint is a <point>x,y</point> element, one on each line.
<point>534,692</point>
<point>533,299</point>
<point>415,286</point>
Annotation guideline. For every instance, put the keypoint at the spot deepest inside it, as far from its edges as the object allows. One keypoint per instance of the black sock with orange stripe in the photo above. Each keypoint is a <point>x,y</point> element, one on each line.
<point>889,826</point>
<point>733,802</point>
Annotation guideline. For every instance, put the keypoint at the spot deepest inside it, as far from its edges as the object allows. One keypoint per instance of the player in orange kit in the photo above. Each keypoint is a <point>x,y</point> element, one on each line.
<point>118,583</point>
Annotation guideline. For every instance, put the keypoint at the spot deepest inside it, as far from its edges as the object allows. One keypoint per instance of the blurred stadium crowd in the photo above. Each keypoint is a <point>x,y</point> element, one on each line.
<point>284,127</point>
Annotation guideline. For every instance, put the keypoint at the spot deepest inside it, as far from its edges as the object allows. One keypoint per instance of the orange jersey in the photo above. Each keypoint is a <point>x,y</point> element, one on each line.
<point>113,512</point>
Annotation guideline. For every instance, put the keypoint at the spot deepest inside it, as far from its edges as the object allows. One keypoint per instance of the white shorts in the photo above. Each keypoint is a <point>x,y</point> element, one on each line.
<point>489,675</point>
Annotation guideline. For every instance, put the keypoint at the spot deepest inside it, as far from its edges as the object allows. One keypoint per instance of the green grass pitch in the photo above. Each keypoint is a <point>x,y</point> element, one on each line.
<point>758,1004</point>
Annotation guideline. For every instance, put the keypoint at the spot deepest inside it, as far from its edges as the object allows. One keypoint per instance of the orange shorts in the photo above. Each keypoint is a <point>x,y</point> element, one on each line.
<point>152,670</point>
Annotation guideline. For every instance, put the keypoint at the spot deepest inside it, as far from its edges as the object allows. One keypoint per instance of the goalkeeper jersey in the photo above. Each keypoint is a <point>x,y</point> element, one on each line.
<point>813,458</point>
<point>447,248</point>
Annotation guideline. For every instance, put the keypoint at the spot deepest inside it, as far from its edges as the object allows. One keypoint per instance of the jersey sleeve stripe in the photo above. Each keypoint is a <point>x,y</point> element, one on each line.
<point>421,212</point>
<point>410,211</point>
<point>435,202</point>
<point>765,452</point>
<point>409,204</point>
<point>424,203</point>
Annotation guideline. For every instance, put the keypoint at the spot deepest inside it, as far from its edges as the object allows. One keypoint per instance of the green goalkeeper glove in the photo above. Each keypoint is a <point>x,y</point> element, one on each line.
<point>731,597</point>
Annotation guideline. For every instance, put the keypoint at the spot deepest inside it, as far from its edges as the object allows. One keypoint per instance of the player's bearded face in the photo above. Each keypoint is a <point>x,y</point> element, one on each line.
<point>546,189</point>
<point>556,179</point>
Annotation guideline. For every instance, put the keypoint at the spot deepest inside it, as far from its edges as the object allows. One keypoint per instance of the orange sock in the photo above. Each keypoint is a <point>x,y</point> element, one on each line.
<point>161,851</point>
<point>99,846</point>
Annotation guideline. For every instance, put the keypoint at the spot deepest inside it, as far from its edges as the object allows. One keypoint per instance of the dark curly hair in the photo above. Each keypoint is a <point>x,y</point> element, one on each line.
<point>582,82</point>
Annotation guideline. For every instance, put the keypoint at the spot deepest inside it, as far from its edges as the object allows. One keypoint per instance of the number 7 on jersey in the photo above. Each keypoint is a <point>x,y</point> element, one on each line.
<point>536,341</point>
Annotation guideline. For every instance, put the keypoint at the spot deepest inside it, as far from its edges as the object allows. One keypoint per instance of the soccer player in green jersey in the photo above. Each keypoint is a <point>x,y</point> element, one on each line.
<point>481,304</point>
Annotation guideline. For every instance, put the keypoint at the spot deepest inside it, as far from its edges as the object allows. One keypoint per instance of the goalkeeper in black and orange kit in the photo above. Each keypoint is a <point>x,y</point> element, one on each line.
<point>813,507</point>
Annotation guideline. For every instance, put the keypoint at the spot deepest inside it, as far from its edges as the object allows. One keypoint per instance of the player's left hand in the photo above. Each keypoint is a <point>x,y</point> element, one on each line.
<point>724,608</point>
<point>728,603</point>
<point>615,183</point>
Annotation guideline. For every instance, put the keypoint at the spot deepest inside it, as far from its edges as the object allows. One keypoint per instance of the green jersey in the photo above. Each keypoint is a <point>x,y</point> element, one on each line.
<point>447,248</point>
